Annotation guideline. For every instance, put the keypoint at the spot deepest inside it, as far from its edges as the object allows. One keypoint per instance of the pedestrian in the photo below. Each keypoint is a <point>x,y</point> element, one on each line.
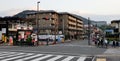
<point>113,43</point>
<point>19,39</point>
<point>33,41</point>
<point>106,43</point>
<point>102,42</point>
<point>98,42</point>
<point>117,44</point>
<point>47,41</point>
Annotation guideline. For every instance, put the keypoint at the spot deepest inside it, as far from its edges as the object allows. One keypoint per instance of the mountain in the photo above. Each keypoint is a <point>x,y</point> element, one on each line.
<point>23,14</point>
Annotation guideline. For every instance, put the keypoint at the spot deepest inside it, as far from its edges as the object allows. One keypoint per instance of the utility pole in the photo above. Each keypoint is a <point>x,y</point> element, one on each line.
<point>118,31</point>
<point>63,27</point>
<point>37,15</point>
<point>89,31</point>
<point>37,22</point>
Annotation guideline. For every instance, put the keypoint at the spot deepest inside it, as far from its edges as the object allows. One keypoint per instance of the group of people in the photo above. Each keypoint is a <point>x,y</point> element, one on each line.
<point>102,42</point>
<point>115,43</point>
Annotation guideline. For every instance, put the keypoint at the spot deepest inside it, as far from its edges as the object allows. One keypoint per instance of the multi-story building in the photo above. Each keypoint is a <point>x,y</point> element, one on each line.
<point>13,24</point>
<point>99,23</point>
<point>45,21</point>
<point>70,25</point>
<point>52,22</point>
<point>116,28</point>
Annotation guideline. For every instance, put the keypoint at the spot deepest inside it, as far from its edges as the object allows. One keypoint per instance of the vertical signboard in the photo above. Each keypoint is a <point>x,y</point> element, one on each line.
<point>3,30</point>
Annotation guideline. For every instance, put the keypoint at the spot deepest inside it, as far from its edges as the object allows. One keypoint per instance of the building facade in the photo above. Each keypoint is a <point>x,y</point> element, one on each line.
<point>45,21</point>
<point>70,25</point>
<point>99,23</point>
<point>116,28</point>
<point>52,22</point>
<point>13,24</point>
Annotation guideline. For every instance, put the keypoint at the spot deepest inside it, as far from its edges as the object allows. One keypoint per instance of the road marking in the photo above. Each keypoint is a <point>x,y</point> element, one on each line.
<point>41,58</point>
<point>94,58</point>
<point>101,59</point>
<point>11,55</point>
<point>7,53</point>
<point>81,59</point>
<point>30,57</point>
<point>55,58</point>
<point>68,58</point>
<point>16,57</point>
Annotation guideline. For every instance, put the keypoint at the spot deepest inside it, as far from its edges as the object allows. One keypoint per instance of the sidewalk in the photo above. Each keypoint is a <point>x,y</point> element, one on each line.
<point>52,42</point>
<point>41,43</point>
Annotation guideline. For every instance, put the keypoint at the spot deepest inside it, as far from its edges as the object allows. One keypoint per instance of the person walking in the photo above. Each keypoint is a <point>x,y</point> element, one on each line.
<point>102,42</point>
<point>117,44</point>
<point>106,43</point>
<point>113,44</point>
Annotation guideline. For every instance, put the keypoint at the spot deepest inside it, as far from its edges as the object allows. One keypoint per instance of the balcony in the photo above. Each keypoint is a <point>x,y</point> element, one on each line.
<point>79,25</point>
<point>71,18</point>
<point>72,28</point>
<point>79,21</point>
<point>79,29</point>
<point>72,23</point>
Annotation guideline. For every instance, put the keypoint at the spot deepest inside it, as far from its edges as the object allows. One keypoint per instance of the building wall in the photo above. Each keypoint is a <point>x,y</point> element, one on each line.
<point>73,26</point>
<point>116,25</point>
<point>14,25</point>
<point>47,22</point>
<point>52,23</point>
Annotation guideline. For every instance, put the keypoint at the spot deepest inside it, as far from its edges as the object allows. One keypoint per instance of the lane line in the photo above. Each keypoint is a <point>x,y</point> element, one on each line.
<point>41,58</point>
<point>29,57</point>
<point>11,58</point>
<point>55,58</point>
<point>11,55</point>
<point>7,53</point>
<point>68,58</point>
<point>81,58</point>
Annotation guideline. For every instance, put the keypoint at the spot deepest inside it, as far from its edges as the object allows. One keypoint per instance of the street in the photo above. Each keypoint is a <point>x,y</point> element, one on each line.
<point>70,51</point>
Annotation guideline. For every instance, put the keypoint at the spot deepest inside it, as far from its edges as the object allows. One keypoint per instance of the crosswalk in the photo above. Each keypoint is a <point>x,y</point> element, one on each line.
<point>23,56</point>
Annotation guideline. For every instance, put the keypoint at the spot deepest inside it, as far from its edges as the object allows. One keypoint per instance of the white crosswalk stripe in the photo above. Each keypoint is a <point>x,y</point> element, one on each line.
<point>18,56</point>
<point>81,59</point>
<point>68,58</point>
<point>29,57</point>
<point>55,58</point>
<point>41,58</point>
<point>11,55</point>
<point>3,53</point>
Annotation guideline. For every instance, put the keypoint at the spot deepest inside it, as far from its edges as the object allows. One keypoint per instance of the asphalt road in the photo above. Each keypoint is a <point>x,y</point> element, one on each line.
<point>71,48</point>
<point>74,48</point>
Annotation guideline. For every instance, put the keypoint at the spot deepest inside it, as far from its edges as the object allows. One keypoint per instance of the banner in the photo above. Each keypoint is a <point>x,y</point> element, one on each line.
<point>3,30</point>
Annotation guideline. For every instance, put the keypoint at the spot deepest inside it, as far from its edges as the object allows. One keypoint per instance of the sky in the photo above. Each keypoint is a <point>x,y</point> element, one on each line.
<point>97,10</point>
